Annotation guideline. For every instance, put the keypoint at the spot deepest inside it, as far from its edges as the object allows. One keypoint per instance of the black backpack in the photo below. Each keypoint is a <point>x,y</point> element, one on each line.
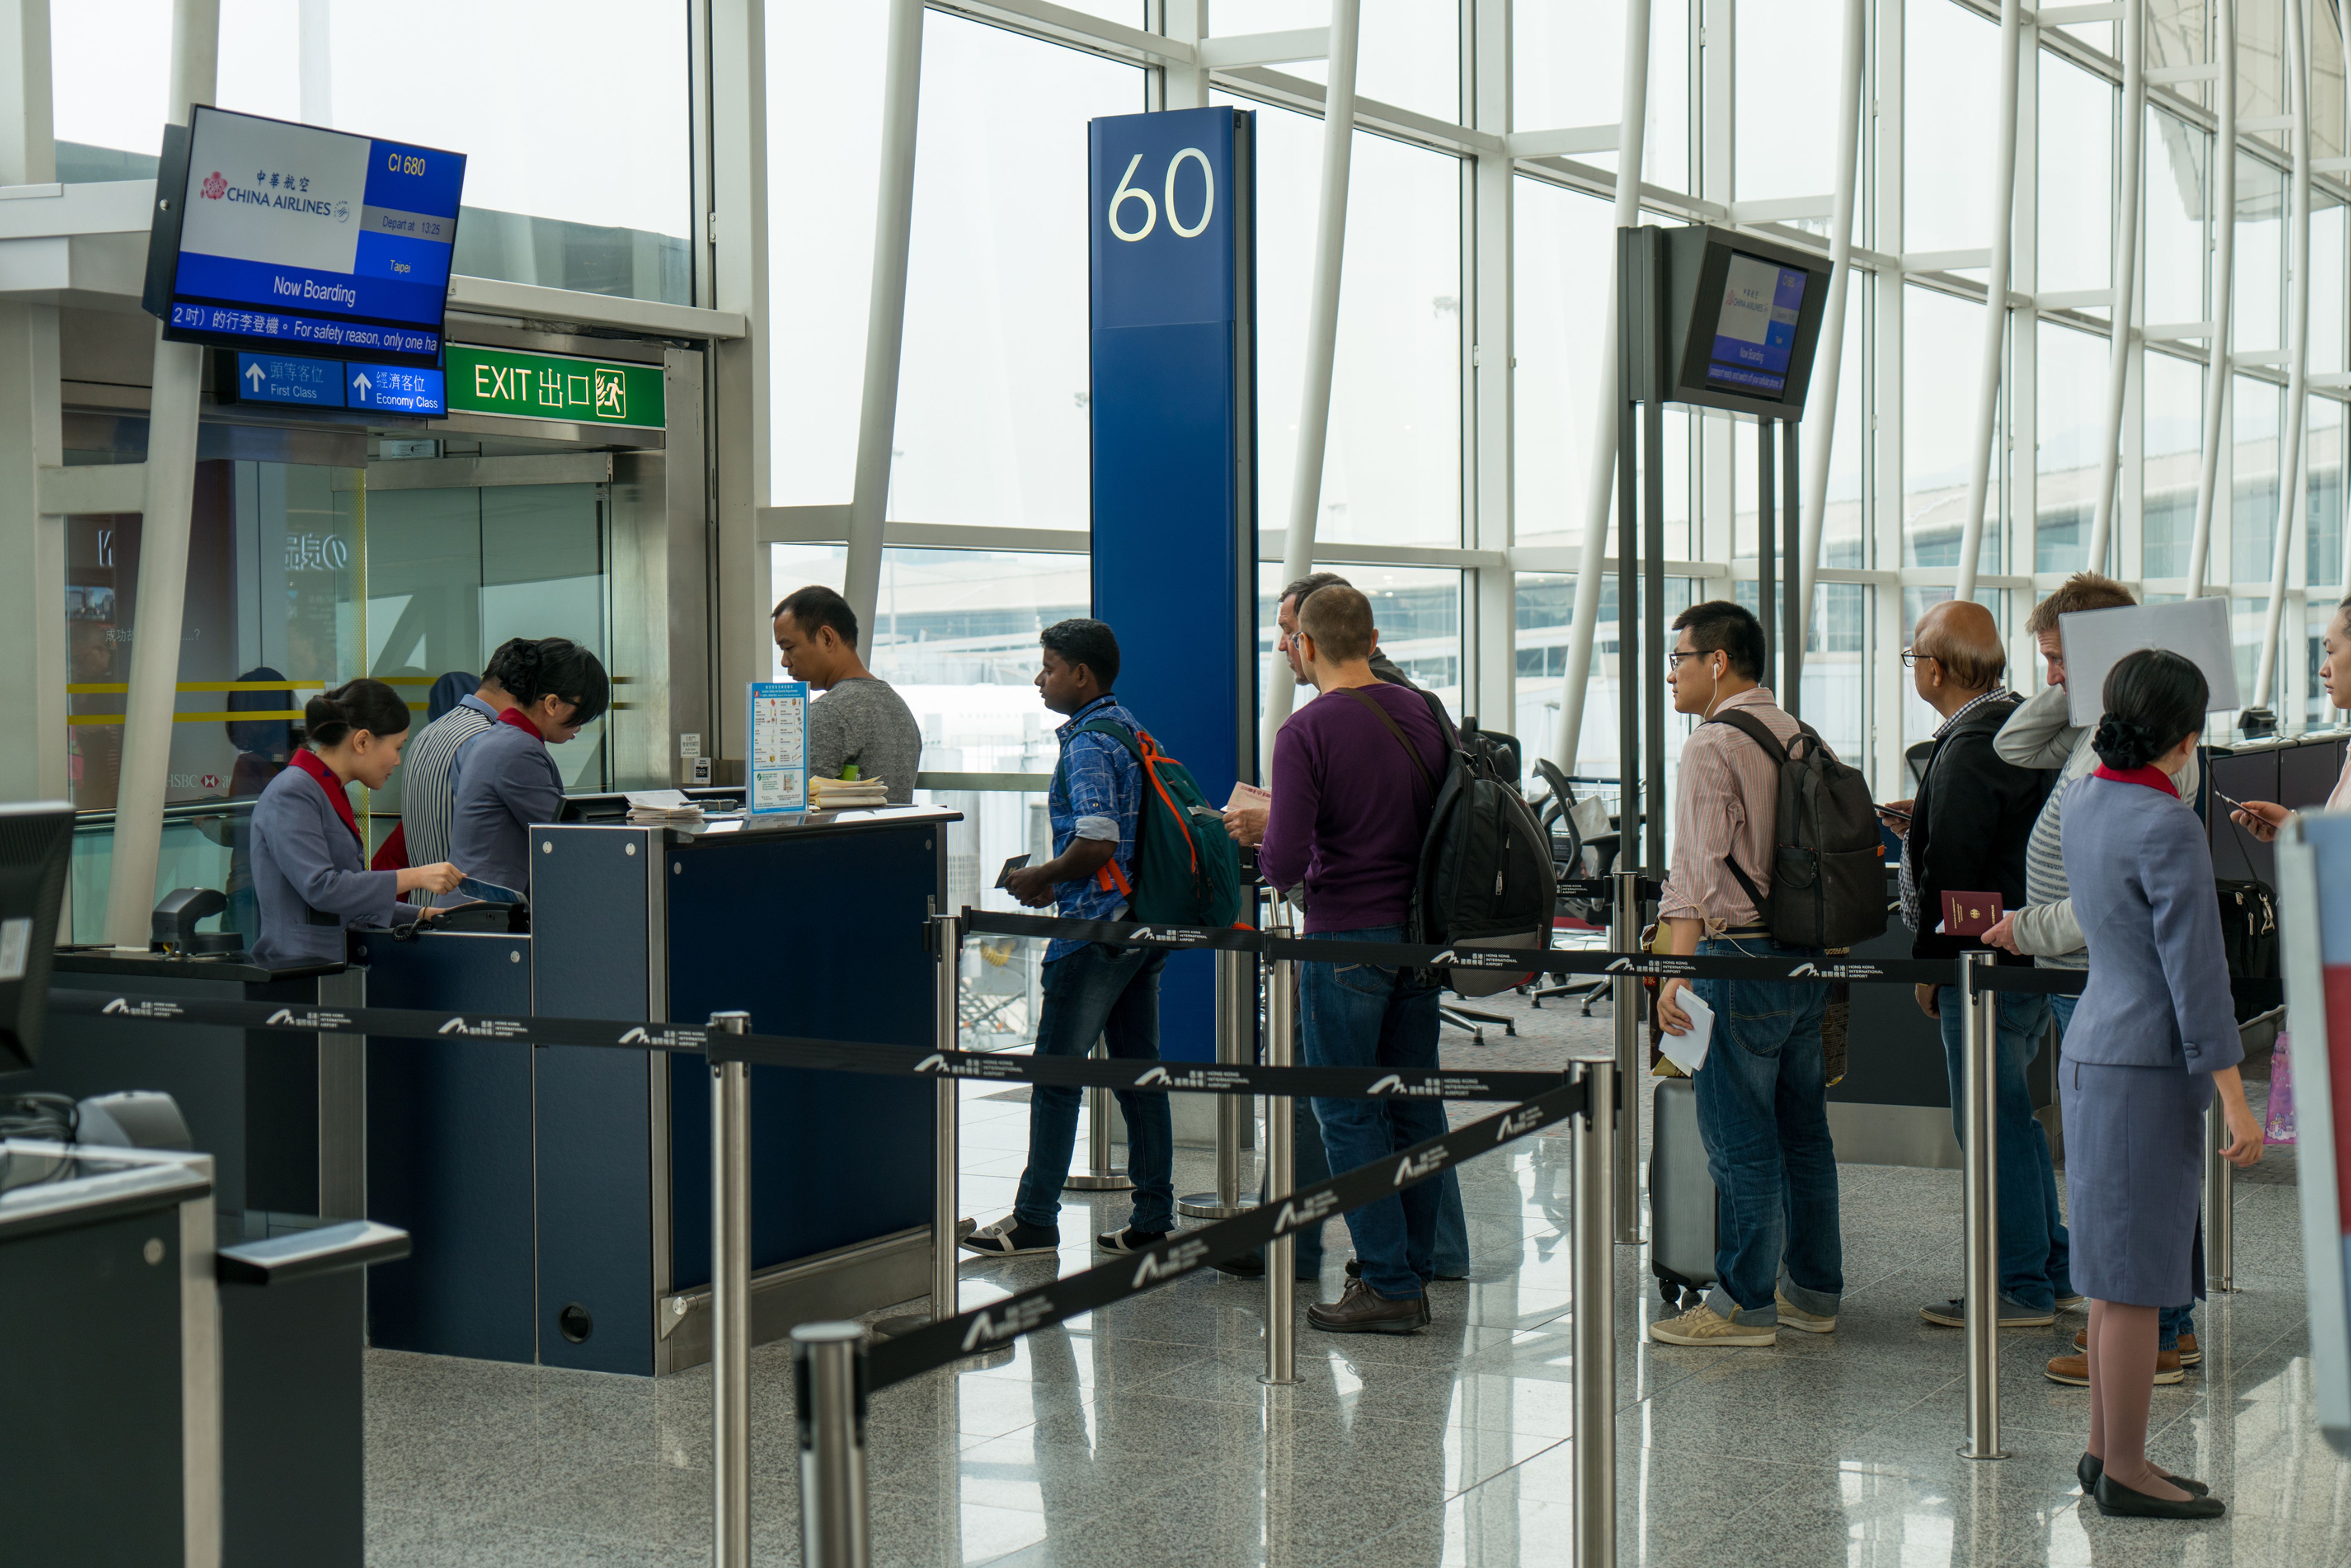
<point>1486,875</point>
<point>1828,872</point>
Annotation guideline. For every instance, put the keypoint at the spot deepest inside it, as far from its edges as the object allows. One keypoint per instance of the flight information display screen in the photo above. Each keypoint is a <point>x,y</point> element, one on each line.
<point>1756,331</point>
<point>295,238</point>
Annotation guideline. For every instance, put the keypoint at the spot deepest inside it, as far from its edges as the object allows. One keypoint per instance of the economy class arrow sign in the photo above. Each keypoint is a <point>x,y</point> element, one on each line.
<point>364,385</point>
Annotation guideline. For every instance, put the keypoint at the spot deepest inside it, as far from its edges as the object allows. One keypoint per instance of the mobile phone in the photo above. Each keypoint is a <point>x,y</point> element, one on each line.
<point>1893,811</point>
<point>1015,863</point>
<point>2232,801</point>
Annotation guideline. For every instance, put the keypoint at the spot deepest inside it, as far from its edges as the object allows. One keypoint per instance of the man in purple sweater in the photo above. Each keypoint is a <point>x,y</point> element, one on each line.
<point>1355,777</point>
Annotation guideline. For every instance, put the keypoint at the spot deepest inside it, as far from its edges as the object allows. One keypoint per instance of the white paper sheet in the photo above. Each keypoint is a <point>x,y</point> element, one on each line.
<point>2095,641</point>
<point>1688,1051</point>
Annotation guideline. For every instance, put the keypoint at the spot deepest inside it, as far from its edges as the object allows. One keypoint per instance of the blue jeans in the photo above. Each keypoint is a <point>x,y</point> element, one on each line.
<point>2171,1322</point>
<point>1111,993</point>
<point>1310,1162</point>
<point>1762,1114</point>
<point>1360,1015</point>
<point>2033,1246</point>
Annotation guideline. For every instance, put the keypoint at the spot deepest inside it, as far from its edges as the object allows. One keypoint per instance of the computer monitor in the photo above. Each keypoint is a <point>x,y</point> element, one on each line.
<point>1725,320</point>
<point>36,843</point>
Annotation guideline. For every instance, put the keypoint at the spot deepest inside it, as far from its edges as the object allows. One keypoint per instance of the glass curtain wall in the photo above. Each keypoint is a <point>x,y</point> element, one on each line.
<point>1738,127</point>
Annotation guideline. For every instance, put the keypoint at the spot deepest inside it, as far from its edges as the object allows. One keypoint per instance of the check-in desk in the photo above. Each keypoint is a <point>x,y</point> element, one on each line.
<point>278,1112</point>
<point>559,1198</point>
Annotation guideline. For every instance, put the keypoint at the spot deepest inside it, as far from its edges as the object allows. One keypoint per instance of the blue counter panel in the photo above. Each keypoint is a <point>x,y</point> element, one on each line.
<point>819,936</point>
<point>449,1153</point>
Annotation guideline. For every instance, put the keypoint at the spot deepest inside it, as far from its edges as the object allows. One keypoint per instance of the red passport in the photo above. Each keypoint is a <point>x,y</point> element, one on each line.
<point>1969,914</point>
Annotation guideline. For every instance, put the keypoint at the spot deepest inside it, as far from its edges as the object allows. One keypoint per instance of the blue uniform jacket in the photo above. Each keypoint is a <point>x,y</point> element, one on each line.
<point>504,781</point>
<point>309,877</point>
<point>2142,880</point>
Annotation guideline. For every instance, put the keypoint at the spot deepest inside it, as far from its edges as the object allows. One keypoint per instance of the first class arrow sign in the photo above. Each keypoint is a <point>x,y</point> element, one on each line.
<point>253,374</point>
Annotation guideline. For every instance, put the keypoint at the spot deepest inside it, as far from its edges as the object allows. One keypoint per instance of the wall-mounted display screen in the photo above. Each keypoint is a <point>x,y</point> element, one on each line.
<point>269,235</point>
<point>1756,330</point>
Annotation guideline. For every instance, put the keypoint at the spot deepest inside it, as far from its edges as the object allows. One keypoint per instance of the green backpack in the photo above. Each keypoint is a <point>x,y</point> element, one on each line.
<point>1186,868</point>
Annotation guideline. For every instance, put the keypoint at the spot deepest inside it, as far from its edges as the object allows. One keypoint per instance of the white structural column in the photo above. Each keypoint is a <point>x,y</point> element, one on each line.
<point>1184,85</point>
<point>32,591</point>
<point>885,311</point>
<point>2125,279</point>
<point>1995,332</point>
<point>2291,487</point>
<point>1600,478</point>
<point>1321,336</point>
<point>167,518</point>
<point>1828,361</point>
<point>314,30</point>
<point>739,414</point>
<point>1491,334</point>
<point>2222,340</point>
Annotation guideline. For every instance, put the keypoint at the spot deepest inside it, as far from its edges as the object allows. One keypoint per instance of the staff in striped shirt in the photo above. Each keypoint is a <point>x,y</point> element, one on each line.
<point>427,781</point>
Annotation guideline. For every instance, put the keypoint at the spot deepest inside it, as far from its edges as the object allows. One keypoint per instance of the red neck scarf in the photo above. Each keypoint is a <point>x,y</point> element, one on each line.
<point>307,761</point>
<point>2154,777</point>
<point>521,721</point>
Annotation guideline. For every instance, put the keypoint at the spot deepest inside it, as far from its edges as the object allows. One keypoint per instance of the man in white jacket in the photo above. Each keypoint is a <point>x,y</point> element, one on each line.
<point>2040,733</point>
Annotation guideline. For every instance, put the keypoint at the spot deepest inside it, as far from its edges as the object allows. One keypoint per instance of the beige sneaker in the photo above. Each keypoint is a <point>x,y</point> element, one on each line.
<point>1702,1325</point>
<point>1796,1317</point>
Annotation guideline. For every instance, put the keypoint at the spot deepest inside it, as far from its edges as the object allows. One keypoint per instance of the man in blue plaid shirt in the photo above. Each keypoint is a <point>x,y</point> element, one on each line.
<point>1093,989</point>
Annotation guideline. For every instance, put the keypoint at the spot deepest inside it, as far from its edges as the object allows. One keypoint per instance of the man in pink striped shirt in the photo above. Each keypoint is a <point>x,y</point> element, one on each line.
<point>1762,1091</point>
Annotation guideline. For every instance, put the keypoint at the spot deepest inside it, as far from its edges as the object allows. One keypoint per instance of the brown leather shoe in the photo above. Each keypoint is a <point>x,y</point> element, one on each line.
<point>2074,1370</point>
<point>2190,1353</point>
<point>1361,1309</point>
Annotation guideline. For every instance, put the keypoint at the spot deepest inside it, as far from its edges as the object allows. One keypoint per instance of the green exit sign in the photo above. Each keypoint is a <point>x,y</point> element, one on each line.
<point>553,386</point>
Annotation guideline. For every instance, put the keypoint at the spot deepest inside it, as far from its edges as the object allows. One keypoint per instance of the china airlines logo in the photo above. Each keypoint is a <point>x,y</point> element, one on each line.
<point>214,186</point>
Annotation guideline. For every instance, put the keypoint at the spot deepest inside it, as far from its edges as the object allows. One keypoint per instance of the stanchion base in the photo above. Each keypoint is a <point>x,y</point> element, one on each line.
<point>1207,1205</point>
<point>1277,1382</point>
<point>900,1326</point>
<point>1996,1454</point>
<point>1096,1183</point>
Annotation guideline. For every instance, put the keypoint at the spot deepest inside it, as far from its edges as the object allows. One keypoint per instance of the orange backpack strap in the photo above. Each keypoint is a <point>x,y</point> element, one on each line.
<point>1109,878</point>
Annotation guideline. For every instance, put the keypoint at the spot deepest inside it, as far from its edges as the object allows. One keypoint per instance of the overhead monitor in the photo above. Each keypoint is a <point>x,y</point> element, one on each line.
<point>1725,320</point>
<point>36,841</point>
<point>272,236</point>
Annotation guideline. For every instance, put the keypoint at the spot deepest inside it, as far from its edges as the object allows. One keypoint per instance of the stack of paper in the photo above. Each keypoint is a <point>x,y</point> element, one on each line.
<point>848,794</point>
<point>656,806</point>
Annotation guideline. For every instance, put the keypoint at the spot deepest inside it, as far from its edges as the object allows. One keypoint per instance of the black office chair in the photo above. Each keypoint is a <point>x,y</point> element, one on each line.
<point>1918,755</point>
<point>1567,853</point>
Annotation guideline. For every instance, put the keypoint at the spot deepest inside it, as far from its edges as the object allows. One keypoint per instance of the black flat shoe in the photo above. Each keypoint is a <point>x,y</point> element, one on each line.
<point>2115,1499</point>
<point>2092,1467</point>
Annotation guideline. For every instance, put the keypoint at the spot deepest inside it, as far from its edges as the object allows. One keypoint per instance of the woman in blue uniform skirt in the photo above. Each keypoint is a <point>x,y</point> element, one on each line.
<point>2153,1040</point>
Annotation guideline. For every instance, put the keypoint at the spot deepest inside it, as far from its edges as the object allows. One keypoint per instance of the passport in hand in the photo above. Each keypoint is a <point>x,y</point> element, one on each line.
<point>1969,914</point>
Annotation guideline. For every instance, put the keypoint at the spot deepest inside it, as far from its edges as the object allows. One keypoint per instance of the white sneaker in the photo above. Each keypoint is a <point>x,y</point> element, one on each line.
<point>1007,1237</point>
<point>1796,1317</point>
<point>1702,1325</point>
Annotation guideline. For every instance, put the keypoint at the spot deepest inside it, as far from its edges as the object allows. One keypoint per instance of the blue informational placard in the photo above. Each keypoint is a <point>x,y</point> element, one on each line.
<point>397,389</point>
<point>1171,239</point>
<point>293,236</point>
<point>775,762</point>
<point>288,379</point>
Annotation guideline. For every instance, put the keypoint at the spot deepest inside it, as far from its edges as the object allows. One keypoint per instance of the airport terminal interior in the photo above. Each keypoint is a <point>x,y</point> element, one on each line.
<point>722,298</point>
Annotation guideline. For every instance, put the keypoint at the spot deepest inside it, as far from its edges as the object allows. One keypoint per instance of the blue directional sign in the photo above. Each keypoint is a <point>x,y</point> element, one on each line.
<point>396,389</point>
<point>1171,216</point>
<point>284,378</point>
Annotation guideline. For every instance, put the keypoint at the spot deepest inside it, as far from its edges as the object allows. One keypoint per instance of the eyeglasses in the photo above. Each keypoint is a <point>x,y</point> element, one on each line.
<point>1673,660</point>
<point>1910,657</point>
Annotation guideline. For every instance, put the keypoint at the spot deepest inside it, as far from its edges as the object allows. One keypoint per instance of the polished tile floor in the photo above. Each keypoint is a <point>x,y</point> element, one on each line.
<point>1140,1436</point>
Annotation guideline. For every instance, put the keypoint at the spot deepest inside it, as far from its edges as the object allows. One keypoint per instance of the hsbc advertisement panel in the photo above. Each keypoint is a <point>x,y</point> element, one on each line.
<point>296,237</point>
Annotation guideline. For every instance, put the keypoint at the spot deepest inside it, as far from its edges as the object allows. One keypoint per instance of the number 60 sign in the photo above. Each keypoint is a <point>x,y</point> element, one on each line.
<point>1127,193</point>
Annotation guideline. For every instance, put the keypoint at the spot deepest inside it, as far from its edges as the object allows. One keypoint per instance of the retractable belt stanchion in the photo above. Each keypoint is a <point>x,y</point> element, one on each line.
<point>947,1157</point>
<point>730,1303</point>
<point>1100,1175</point>
<point>2220,1204</point>
<point>1591,1282</point>
<point>829,1378</point>
<point>1280,1165</point>
<point>1980,1161</point>
<point>1625,1005</point>
<point>1236,1046</point>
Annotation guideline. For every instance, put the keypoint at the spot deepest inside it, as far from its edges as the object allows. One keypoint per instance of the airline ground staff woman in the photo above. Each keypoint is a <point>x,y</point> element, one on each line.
<point>309,867</point>
<point>2263,818</point>
<point>504,780</point>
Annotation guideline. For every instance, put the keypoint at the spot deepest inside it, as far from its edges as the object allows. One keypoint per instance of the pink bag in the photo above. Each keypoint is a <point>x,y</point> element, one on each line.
<point>2278,1126</point>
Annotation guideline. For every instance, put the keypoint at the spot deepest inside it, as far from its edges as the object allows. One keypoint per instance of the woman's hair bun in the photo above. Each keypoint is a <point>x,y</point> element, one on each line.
<point>2123,744</point>
<point>329,718</point>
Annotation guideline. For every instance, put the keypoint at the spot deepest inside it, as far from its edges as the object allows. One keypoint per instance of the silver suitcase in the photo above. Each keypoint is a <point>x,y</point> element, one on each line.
<point>1681,1194</point>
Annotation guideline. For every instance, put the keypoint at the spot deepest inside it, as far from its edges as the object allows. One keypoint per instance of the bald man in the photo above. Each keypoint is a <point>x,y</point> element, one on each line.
<point>1968,832</point>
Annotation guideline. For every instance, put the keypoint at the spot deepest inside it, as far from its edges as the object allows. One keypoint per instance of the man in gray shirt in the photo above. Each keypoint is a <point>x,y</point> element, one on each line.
<point>861,721</point>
